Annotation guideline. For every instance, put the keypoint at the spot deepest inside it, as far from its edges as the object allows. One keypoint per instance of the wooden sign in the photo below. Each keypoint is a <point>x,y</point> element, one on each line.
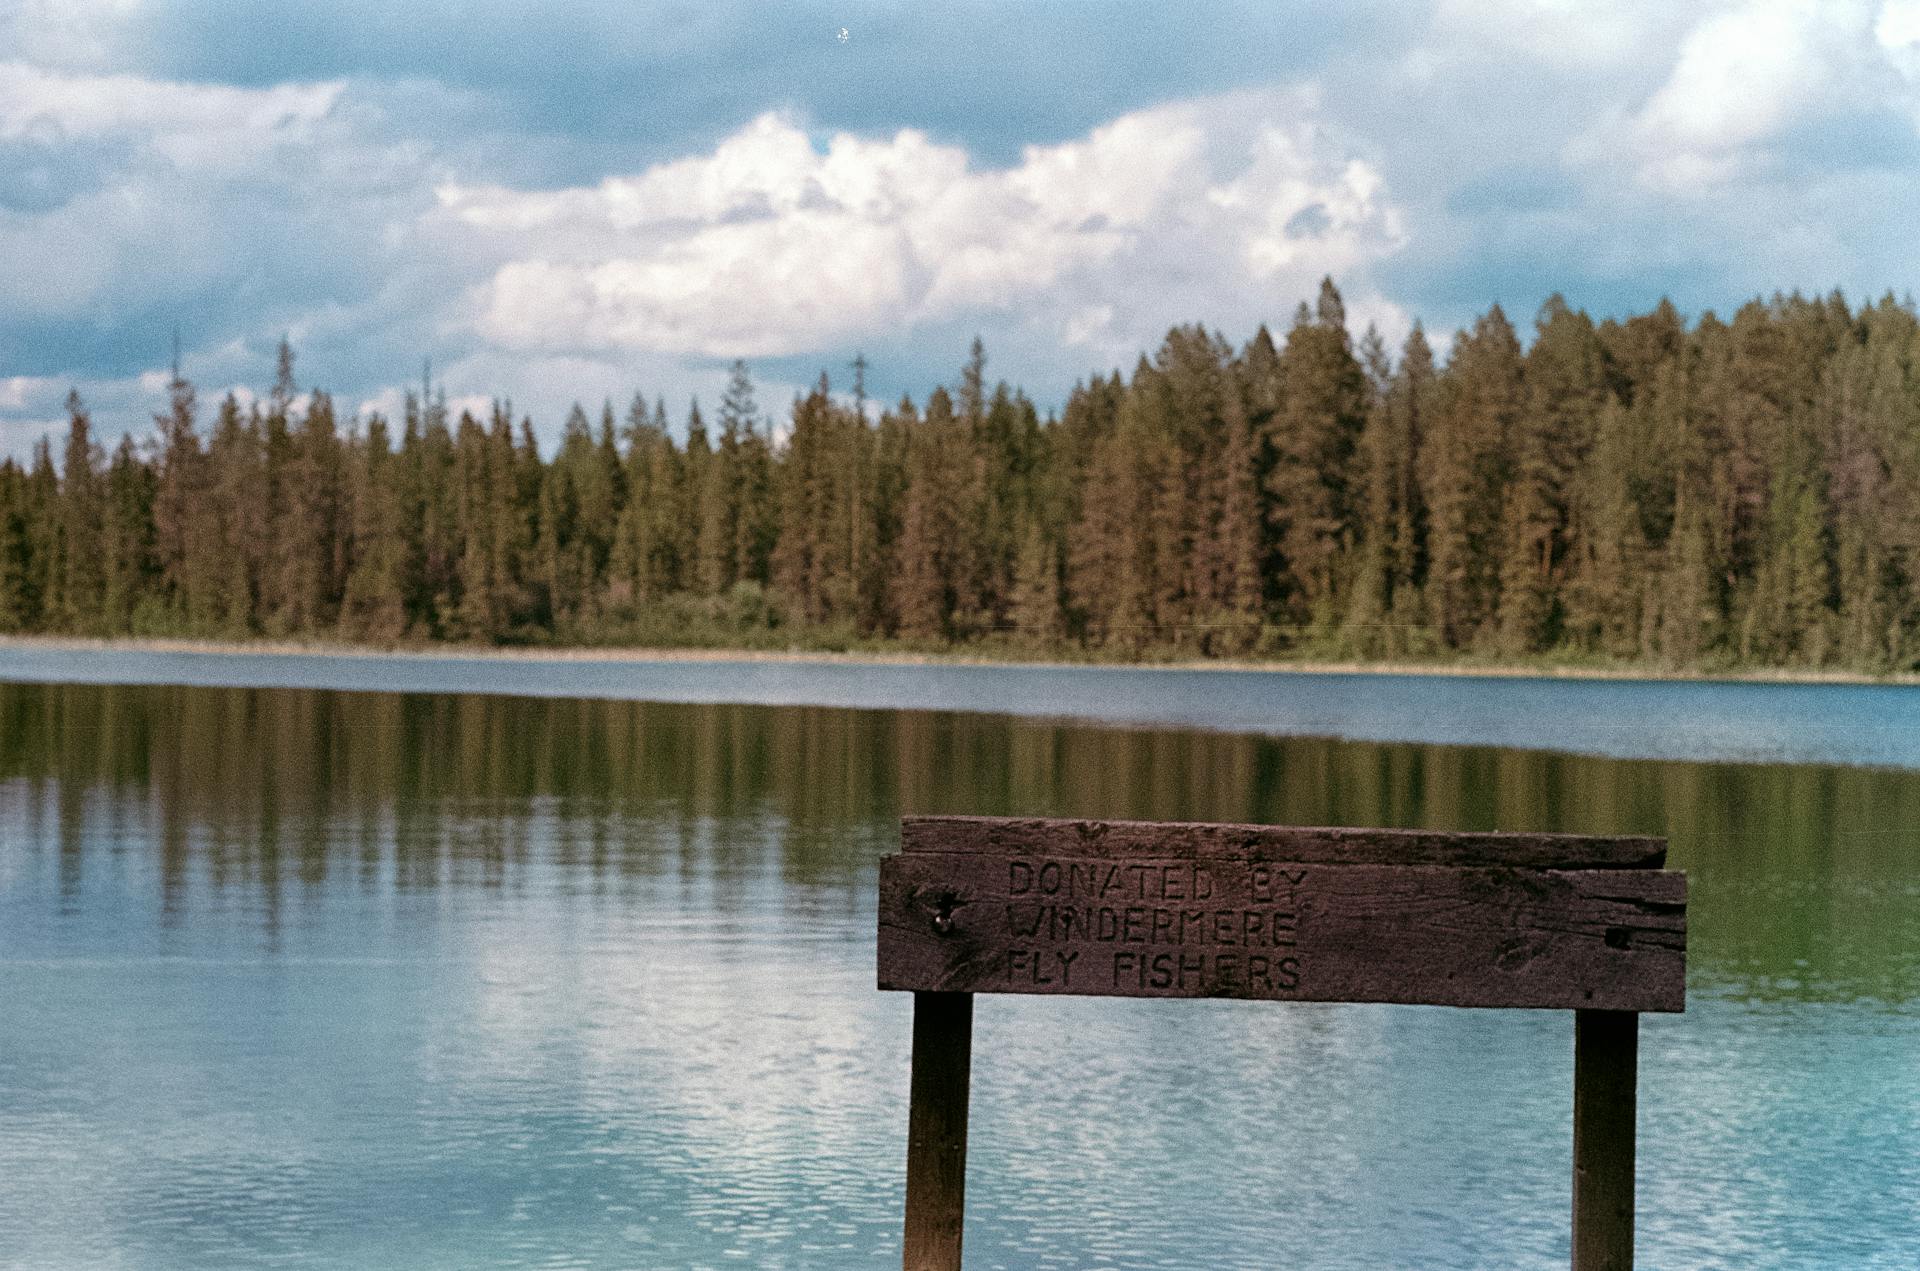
<point>1149,909</point>
<point>975,905</point>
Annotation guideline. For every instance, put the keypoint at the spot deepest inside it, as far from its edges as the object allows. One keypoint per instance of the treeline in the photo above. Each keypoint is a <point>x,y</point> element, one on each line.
<point>1730,493</point>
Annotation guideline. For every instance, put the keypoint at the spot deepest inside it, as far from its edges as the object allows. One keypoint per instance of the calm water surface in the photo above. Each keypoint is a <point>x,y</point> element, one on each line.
<point>292,977</point>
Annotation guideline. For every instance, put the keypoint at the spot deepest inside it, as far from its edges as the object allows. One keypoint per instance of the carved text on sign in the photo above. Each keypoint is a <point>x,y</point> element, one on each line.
<point>1106,914</point>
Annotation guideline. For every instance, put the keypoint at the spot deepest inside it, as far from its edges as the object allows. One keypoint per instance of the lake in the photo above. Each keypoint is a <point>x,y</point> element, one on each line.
<point>433,976</point>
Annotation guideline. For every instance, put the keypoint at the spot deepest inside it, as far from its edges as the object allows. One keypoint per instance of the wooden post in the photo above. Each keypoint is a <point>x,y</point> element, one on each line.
<point>937,1130</point>
<point>1605,1066</point>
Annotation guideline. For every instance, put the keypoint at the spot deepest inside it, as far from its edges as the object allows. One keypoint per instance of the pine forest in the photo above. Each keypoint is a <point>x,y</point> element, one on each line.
<point>1641,492</point>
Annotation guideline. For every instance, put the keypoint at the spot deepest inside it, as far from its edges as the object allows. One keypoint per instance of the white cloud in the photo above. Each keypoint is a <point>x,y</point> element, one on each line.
<point>62,32</point>
<point>1748,77</point>
<point>190,124</point>
<point>311,209</point>
<point>181,189</point>
<point>1566,35</point>
<point>17,391</point>
<point>1898,33</point>
<point>1742,74</point>
<point>770,245</point>
<point>1898,27</point>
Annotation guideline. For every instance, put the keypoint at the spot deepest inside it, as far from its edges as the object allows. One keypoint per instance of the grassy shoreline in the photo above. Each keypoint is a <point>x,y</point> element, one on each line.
<point>266,648</point>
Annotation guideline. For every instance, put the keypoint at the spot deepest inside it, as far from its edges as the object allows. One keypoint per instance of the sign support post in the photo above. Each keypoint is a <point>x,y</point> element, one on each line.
<point>937,1130</point>
<point>1605,1077</point>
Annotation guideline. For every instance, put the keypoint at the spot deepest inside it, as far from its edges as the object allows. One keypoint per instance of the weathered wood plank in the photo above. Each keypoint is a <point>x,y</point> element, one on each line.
<point>1302,844</point>
<point>1606,1060</point>
<point>1206,925</point>
<point>937,1131</point>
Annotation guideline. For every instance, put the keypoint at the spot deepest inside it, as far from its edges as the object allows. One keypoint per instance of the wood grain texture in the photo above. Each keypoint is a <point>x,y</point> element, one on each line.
<point>937,1131</point>
<point>1208,925</point>
<point>1303,844</point>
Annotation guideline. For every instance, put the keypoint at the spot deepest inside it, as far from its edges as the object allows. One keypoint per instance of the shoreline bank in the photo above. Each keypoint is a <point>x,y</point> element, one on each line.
<point>269,649</point>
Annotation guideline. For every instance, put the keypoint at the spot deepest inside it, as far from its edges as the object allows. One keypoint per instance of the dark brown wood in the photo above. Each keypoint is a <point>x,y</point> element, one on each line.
<point>1605,1071</point>
<point>1248,927</point>
<point>1306,845</point>
<point>937,1131</point>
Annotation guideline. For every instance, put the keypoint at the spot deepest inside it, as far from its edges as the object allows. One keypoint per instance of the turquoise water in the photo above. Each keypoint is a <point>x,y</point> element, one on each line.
<point>435,978</point>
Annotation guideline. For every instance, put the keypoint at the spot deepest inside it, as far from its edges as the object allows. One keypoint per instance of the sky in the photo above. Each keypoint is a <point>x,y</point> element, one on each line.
<point>581,199</point>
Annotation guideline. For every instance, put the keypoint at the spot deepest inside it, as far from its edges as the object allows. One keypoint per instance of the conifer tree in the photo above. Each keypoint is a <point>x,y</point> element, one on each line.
<point>1466,466</point>
<point>574,515</point>
<point>799,564</point>
<point>1314,432</point>
<point>892,447</point>
<point>1864,411</point>
<point>1682,594</point>
<point>710,534</point>
<point>855,593</point>
<point>1236,537</point>
<point>313,575</point>
<point>1608,590</point>
<point>242,521</point>
<point>634,555</point>
<point>672,490</point>
<point>45,605</point>
<point>1089,418</point>
<point>1386,603</point>
<point>932,570</point>
<point>288,582</point>
<point>481,532</point>
<point>15,550</point>
<point>1788,620</point>
<point>1377,553</point>
<point>1637,348</point>
<point>127,539</point>
<point>1111,565</point>
<point>1036,598</point>
<point>433,503</point>
<point>1207,516</point>
<point>185,536</point>
<point>374,600</point>
<point>1565,386</point>
<point>83,510</point>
